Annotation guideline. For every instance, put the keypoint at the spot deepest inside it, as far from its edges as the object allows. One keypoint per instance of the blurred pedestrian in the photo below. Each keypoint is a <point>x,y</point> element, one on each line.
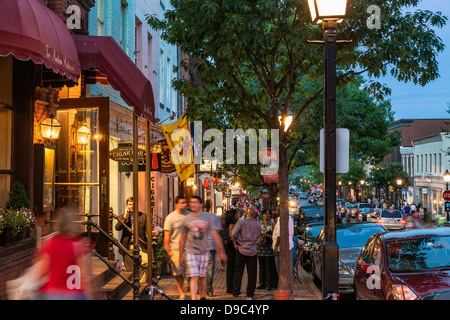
<point>172,232</point>
<point>64,261</point>
<point>246,233</point>
<point>194,246</point>
<point>212,255</point>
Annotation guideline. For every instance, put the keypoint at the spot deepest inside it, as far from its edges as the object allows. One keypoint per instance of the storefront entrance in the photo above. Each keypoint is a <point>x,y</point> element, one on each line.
<point>82,163</point>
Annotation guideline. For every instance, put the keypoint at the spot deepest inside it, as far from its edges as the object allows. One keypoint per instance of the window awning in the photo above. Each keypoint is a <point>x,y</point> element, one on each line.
<point>106,56</point>
<point>30,30</point>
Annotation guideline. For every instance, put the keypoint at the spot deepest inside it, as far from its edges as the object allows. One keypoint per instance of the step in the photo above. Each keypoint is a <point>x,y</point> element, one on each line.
<point>116,288</point>
<point>101,273</point>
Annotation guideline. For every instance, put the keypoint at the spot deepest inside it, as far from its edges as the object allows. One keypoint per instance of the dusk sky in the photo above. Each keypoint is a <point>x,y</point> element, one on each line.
<point>411,101</point>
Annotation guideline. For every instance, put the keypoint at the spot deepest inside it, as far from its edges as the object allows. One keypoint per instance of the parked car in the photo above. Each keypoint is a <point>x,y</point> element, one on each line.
<point>303,195</point>
<point>307,213</point>
<point>392,219</point>
<point>364,209</point>
<point>351,237</point>
<point>309,238</point>
<point>405,265</point>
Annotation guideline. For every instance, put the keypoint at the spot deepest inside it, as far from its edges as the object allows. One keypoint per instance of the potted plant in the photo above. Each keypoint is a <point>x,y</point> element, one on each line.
<point>17,217</point>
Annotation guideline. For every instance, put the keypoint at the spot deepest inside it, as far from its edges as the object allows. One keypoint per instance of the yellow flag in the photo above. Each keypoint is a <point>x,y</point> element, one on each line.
<point>178,137</point>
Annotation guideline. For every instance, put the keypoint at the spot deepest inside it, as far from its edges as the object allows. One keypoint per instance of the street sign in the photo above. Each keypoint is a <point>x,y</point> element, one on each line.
<point>446,195</point>
<point>342,150</point>
<point>447,206</point>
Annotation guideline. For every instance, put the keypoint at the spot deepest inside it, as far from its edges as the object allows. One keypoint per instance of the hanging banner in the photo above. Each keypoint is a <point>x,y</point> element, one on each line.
<point>270,159</point>
<point>179,140</point>
<point>167,166</point>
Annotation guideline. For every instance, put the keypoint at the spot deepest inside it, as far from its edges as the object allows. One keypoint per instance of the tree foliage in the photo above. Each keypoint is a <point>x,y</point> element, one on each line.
<point>251,61</point>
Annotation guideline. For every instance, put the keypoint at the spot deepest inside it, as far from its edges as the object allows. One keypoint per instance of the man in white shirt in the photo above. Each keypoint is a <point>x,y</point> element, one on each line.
<point>172,233</point>
<point>276,239</point>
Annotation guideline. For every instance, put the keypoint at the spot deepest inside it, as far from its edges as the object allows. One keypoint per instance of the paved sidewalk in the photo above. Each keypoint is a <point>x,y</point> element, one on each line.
<point>302,290</point>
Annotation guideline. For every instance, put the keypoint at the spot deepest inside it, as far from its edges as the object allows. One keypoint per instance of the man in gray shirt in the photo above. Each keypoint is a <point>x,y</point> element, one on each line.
<point>246,233</point>
<point>194,246</point>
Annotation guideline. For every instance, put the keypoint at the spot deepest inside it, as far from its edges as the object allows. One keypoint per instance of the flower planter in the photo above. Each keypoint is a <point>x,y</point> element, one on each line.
<point>7,238</point>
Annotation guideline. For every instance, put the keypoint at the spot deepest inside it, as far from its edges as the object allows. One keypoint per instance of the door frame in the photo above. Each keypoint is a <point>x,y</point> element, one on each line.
<point>102,103</point>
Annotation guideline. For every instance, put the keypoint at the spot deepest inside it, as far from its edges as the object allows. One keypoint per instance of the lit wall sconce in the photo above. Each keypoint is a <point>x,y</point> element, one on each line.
<point>83,134</point>
<point>50,128</point>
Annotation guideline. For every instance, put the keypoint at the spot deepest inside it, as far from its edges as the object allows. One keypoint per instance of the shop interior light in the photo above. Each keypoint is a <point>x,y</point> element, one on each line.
<point>50,128</point>
<point>83,134</point>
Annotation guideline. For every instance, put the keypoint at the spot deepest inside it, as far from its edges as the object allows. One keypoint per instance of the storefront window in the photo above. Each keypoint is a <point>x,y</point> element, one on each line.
<point>77,176</point>
<point>5,154</point>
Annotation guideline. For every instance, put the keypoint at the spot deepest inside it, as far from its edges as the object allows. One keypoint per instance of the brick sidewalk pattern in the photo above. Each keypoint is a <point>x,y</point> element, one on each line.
<point>303,288</point>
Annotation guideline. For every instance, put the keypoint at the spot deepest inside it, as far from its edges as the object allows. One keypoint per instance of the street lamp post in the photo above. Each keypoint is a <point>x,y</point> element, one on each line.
<point>329,13</point>
<point>399,184</point>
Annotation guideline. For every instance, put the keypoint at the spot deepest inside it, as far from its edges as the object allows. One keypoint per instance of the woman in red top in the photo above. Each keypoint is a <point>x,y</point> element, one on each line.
<point>63,262</point>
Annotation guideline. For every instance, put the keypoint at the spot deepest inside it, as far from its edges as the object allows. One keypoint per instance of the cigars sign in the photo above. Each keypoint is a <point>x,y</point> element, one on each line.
<point>125,154</point>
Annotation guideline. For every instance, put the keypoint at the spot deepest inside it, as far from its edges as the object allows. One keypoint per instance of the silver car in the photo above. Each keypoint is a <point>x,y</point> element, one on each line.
<point>392,219</point>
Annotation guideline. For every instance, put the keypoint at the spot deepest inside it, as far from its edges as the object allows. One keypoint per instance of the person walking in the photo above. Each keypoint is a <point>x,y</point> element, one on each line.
<point>125,224</point>
<point>64,262</point>
<point>231,218</point>
<point>194,246</point>
<point>246,233</point>
<point>172,233</point>
<point>212,255</point>
<point>267,269</point>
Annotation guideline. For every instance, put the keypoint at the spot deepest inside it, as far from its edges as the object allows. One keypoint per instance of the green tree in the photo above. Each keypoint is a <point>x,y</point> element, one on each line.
<point>253,62</point>
<point>385,177</point>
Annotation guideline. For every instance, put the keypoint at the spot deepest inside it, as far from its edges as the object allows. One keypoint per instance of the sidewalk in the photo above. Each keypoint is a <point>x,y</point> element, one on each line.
<point>306,290</point>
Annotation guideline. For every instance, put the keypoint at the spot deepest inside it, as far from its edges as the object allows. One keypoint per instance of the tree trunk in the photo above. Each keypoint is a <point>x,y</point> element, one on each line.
<point>285,276</point>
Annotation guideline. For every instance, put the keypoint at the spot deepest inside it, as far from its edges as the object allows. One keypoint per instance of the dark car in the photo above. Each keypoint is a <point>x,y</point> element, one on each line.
<point>307,213</point>
<point>405,265</point>
<point>309,238</point>
<point>351,237</point>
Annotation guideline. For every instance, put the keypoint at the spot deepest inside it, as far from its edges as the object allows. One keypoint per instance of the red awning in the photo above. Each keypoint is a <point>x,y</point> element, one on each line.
<point>106,56</point>
<point>29,30</point>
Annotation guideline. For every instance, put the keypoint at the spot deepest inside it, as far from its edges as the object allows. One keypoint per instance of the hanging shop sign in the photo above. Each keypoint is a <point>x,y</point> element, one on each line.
<point>125,154</point>
<point>220,186</point>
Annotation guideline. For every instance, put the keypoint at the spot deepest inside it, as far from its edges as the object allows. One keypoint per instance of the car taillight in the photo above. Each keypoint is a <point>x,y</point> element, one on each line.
<point>403,221</point>
<point>379,220</point>
<point>402,292</point>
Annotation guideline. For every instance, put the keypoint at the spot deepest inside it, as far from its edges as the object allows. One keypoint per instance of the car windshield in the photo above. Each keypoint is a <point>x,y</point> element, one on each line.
<point>419,254</point>
<point>313,211</point>
<point>311,232</point>
<point>391,214</point>
<point>356,235</point>
<point>365,205</point>
<point>350,205</point>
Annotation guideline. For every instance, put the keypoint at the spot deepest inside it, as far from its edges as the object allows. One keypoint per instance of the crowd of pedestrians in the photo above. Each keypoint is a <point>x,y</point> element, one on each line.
<point>243,238</point>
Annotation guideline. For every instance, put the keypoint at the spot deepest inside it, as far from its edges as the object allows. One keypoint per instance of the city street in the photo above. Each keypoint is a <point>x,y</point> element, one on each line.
<point>181,127</point>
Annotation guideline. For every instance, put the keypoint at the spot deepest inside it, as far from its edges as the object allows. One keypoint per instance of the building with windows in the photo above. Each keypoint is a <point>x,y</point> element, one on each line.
<point>431,160</point>
<point>410,130</point>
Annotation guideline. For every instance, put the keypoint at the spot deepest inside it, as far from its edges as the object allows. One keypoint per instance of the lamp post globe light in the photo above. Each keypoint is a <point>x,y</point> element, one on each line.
<point>329,13</point>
